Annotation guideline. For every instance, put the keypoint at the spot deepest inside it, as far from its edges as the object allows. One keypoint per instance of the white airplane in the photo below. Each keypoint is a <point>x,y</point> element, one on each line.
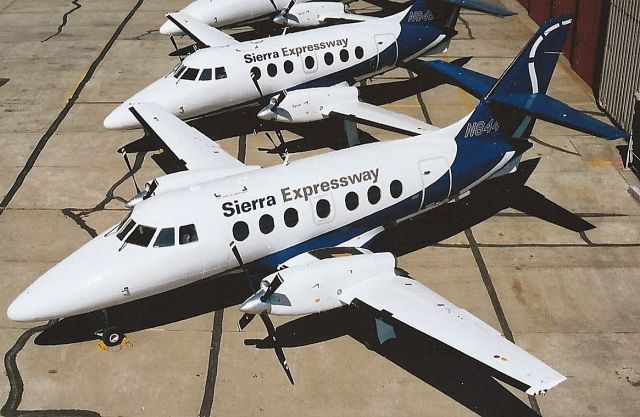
<point>300,77</point>
<point>310,221</point>
<point>231,13</point>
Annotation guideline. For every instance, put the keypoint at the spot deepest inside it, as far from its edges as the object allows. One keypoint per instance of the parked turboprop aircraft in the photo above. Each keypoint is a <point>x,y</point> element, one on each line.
<point>231,13</point>
<point>300,77</point>
<point>310,221</point>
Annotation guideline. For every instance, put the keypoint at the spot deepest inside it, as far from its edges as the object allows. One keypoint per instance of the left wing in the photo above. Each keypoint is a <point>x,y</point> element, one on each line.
<point>202,34</point>
<point>192,147</point>
<point>417,306</point>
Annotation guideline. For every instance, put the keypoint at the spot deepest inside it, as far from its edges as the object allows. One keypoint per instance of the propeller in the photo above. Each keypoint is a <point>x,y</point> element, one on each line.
<point>126,160</point>
<point>258,304</point>
<point>175,45</point>
<point>283,17</point>
<point>273,3</point>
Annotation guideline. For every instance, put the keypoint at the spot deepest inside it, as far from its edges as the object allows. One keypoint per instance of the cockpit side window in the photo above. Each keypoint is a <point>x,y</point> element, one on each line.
<point>190,74</point>
<point>141,235</point>
<point>165,238</point>
<point>221,73</point>
<point>127,227</point>
<point>179,71</point>
<point>188,234</point>
<point>205,75</point>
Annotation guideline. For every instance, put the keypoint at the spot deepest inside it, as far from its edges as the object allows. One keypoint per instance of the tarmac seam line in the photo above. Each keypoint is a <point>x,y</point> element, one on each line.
<point>63,114</point>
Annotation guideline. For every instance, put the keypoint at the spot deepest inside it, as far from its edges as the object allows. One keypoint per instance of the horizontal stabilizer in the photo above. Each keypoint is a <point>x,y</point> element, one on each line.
<point>475,83</point>
<point>482,6</point>
<point>546,108</point>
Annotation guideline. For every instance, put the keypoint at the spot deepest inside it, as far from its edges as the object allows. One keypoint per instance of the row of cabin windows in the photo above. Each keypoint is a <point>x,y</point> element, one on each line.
<point>206,74</point>
<point>309,63</point>
<point>141,235</point>
<point>266,223</point>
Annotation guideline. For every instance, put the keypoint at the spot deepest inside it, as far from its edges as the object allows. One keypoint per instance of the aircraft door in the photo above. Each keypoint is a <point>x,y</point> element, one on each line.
<point>436,181</point>
<point>387,50</point>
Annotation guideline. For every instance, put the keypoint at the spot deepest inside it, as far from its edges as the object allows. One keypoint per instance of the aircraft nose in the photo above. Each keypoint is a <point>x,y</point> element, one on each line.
<point>169,28</point>
<point>121,118</point>
<point>23,309</point>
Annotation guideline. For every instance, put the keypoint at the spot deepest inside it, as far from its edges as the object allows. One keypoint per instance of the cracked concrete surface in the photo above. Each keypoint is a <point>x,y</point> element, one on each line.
<point>569,298</point>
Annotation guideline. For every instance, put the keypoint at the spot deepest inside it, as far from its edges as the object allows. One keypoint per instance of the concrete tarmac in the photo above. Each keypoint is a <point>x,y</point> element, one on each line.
<point>570,298</point>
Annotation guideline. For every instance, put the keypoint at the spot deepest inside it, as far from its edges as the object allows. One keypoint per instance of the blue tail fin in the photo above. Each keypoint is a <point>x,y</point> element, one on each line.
<point>510,107</point>
<point>445,12</point>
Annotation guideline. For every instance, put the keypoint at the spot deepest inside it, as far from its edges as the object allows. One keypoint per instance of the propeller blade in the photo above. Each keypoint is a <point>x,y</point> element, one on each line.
<point>279,352</point>
<point>273,3</point>
<point>236,253</point>
<point>279,98</point>
<point>244,321</point>
<point>126,160</point>
<point>277,282</point>
<point>175,45</point>
<point>291,4</point>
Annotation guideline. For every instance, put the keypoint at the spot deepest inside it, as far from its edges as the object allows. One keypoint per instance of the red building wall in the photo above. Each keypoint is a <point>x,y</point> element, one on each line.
<point>585,45</point>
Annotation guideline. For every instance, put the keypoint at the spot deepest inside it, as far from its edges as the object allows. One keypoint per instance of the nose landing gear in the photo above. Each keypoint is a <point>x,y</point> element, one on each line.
<point>110,336</point>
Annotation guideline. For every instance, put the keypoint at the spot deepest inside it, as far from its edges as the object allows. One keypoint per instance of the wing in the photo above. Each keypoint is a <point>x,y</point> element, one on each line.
<point>415,305</point>
<point>192,147</point>
<point>371,115</point>
<point>202,34</point>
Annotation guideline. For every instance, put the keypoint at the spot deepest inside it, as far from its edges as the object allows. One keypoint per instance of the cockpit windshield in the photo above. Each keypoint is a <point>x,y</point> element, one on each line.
<point>207,74</point>
<point>141,235</point>
<point>124,230</point>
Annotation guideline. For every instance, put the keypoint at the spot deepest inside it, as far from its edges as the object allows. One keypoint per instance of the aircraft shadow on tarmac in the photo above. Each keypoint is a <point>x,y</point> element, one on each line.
<point>459,377</point>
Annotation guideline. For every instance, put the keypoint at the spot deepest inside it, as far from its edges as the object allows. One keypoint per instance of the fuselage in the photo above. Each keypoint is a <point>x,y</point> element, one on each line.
<point>228,13</point>
<point>272,214</point>
<point>218,79</point>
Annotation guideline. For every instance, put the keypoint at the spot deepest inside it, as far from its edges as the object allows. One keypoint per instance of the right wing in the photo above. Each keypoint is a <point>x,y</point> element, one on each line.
<point>191,146</point>
<point>202,34</point>
<point>412,303</point>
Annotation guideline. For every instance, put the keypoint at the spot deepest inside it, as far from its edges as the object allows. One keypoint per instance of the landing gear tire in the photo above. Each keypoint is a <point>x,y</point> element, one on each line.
<point>111,337</point>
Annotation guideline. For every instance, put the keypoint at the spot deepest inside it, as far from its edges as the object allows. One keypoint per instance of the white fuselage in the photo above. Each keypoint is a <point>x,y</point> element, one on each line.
<point>108,271</point>
<point>219,79</point>
<point>227,13</point>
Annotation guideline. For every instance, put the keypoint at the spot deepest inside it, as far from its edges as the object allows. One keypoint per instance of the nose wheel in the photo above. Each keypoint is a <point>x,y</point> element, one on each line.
<point>112,337</point>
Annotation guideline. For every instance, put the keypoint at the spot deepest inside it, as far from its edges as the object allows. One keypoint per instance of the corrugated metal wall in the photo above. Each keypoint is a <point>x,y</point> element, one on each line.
<point>584,48</point>
<point>621,63</point>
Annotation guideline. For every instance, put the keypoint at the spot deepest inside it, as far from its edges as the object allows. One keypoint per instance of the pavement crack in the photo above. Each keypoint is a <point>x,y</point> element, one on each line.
<point>65,19</point>
<point>40,145</point>
<point>147,33</point>
<point>10,408</point>
<point>78,215</point>
<point>468,27</point>
<point>557,148</point>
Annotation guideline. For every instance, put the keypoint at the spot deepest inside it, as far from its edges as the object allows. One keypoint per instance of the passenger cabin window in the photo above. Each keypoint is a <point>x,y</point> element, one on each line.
<point>344,55</point>
<point>291,217</point>
<point>395,188</point>
<point>190,74</point>
<point>373,194</point>
<point>351,200</point>
<point>166,237</point>
<point>328,58</point>
<point>309,62</point>
<point>205,75</point>
<point>255,73</point>
<point>221,73</point>
<point>266,224</point>
<point>272,70</point>
<point>359,52</point>
<point>323,208</point>
<point>288,66</point>
<point>240,231</point>
<point>141,235</point>
<point>188,234</point>
<point>126,229</point>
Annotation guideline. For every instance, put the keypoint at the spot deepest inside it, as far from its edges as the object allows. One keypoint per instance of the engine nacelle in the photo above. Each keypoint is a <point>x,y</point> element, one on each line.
<point>317,286</point>
<point>308,105</point>
<point>309,14</point>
